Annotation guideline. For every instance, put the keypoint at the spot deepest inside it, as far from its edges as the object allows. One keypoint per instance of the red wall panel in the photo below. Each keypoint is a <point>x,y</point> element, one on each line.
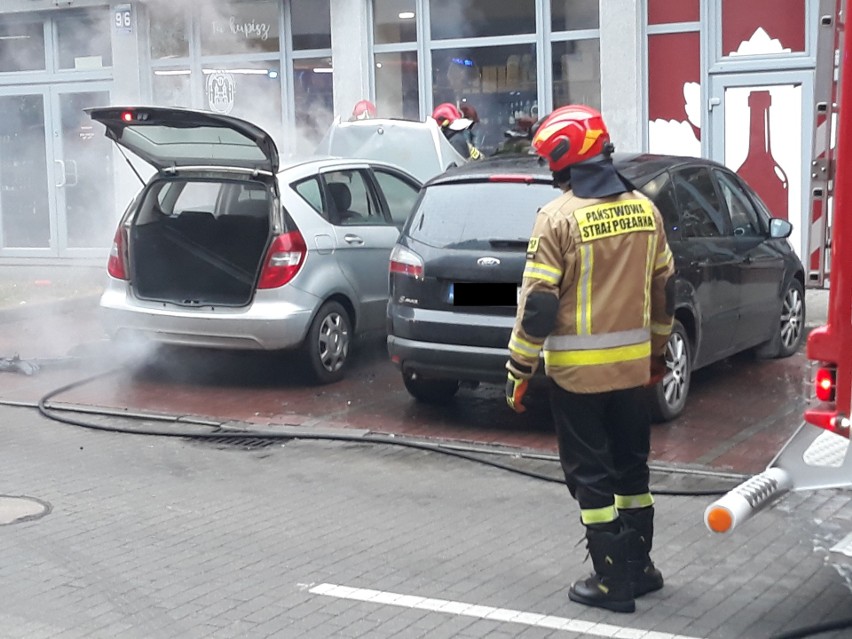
<point>783,20</point>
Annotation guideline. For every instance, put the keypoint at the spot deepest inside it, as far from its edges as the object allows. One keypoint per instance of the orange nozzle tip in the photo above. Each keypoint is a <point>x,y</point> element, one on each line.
<point>720,520</point>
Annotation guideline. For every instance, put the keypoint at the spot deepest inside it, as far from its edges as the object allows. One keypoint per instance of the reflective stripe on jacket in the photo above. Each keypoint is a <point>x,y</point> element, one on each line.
<point>607,261</point>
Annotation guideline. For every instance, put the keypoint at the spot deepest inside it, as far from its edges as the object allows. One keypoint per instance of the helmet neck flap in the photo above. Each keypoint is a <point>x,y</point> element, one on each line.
<point>595,178</point>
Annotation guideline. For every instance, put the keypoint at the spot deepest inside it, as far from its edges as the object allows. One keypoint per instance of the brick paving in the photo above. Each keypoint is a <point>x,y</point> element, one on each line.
<point>154,537</point>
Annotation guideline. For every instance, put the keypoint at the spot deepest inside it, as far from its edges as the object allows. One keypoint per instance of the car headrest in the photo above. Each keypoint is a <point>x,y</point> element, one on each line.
<point>251,208</point>
<point>341,195</point>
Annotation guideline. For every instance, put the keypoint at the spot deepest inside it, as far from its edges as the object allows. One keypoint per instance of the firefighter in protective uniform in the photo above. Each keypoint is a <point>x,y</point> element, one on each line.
<point>457,129</point>
<point>596,301</point>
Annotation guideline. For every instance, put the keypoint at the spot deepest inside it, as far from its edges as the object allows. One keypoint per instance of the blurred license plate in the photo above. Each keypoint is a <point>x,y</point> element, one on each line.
<point>484,294</point>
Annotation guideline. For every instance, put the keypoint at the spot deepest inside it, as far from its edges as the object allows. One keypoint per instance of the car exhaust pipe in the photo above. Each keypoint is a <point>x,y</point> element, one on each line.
<point>739,504</point>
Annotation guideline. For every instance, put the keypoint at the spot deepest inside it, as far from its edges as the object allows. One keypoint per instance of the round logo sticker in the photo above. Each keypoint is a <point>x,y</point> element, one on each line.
<point>220,92</point>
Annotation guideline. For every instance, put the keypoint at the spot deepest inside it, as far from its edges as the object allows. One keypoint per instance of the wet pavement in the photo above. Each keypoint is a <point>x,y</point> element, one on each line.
<point>739,413</point>
<point>110,535</point>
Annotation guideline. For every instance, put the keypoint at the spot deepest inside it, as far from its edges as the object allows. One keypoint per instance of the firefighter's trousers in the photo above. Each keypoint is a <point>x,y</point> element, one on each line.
<point>604,441</point>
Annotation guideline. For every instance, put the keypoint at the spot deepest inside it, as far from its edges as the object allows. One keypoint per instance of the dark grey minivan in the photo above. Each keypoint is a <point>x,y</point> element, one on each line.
<point>457,267</point>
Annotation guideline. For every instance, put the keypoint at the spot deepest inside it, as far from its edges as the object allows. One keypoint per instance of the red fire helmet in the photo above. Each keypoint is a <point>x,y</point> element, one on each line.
<point>569,135</point>
<point>446,113</point>
<point>364,110</point>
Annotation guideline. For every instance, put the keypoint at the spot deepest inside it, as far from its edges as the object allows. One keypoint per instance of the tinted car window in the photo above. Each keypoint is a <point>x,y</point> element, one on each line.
<point>661,191</point>
<point>471,214</point>
<point>763,213</point>
<point>701,211</point>
<point>744,217</point>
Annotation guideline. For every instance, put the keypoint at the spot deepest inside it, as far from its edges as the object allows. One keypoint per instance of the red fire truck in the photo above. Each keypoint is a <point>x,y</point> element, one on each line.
<point>818,455</point>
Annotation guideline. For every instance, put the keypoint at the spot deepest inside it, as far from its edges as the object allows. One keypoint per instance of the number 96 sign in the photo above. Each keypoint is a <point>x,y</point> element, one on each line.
<point>123,18</point>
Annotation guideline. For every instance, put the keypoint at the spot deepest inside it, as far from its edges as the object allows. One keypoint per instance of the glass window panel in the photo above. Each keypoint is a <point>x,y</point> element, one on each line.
<point>24,207</point>
<point>397,94</point>
<point>566,15</point>
<point>744,218</point>
<point>577,73</point>
<point>169,32</point>
<point>198,196</point>
<point>87,163</point>
<point>669,11</point>
<point>674,93</point>
<point>313,98</point>
<point>394,21</point>
<point>399,195</point>
<point>248,91</point>
<point>474,18</point>
<point>763,27</point>
<point>311,24</point>
<point>171,87</point>
<point>239,27</point>
<point>21,46</point>
<point>453,214</point>
<point>310,191</point>
<point>499,83</point>
<point>699,205</point>
<point>83,40</point>
<point>759,147</point>
<point>352,200</point>
<point>661,191</point>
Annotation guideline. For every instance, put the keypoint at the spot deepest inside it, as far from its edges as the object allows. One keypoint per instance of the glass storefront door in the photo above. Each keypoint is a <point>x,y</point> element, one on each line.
<point>84,191</point>
<point>27,212</point>
<point>56,186</point>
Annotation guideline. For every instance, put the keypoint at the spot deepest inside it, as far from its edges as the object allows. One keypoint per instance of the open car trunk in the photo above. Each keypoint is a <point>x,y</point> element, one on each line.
<point>200,241</point>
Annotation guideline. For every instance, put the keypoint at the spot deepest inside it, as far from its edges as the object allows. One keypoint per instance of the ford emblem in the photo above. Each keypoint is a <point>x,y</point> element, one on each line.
<point>488,261</point>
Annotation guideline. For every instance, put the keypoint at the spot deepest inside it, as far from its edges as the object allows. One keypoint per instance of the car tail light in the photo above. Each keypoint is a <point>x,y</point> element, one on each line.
<point>116,266</point>
<point>824,383</point>
<point>283,260</point>
<point>406,262</point>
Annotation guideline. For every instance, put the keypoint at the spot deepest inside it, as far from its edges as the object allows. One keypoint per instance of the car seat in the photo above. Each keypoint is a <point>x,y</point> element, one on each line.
<point>342,197</point>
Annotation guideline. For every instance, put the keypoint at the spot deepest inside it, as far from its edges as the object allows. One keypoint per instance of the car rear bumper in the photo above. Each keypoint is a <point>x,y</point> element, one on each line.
<point>449,361</point>
<point>266,324</point>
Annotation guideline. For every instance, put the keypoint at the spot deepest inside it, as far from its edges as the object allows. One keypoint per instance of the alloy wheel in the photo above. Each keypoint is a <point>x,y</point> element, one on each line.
<point>792,313</point>
<point>333,342</point>
<point>676,379</point>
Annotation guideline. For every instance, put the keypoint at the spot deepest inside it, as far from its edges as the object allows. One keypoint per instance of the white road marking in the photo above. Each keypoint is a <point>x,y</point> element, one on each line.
<point>487,612</point>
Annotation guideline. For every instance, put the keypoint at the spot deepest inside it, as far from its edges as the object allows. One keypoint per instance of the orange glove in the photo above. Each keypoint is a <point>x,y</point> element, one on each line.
<point>516,388</point>
<point>658,370</point>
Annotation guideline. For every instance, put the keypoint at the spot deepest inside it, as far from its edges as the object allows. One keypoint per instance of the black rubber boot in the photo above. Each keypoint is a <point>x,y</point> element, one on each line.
<point>610,586</point>
<point>644,575</point>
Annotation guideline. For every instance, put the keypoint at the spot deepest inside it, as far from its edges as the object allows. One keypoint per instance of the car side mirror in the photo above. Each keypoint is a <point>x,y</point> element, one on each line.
<point>779,229</point>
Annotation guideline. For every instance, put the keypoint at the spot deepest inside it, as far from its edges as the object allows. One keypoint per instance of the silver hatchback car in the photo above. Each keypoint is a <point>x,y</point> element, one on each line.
<point>223,248</point>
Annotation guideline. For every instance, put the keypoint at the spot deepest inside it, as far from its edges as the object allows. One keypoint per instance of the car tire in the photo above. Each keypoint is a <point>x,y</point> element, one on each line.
<point>790,327</point>
<point>429,391</point>
<point>326,346</point>
<point>668,398</point>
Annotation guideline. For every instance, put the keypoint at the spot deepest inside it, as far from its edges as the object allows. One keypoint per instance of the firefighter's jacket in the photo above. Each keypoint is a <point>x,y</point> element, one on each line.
<point>593,298</point>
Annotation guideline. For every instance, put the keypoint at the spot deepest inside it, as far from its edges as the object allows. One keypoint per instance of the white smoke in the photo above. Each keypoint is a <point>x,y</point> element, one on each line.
<point>236,29</point>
